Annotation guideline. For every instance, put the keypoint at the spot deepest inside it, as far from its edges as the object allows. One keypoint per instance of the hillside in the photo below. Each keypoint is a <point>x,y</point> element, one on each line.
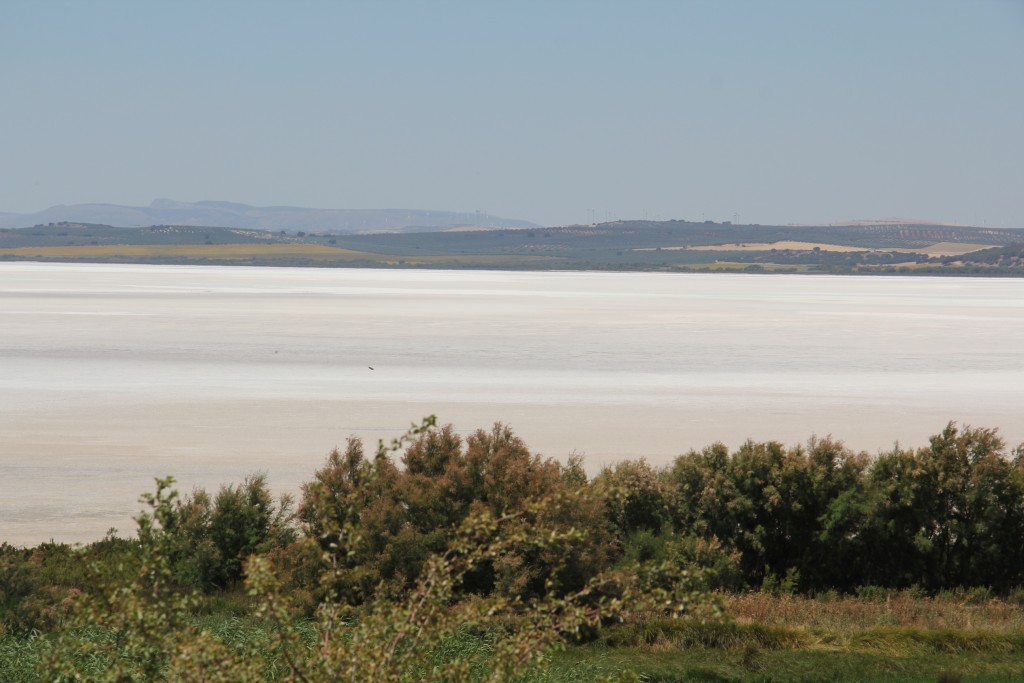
<point>234,215</point>
<point>623,245</point>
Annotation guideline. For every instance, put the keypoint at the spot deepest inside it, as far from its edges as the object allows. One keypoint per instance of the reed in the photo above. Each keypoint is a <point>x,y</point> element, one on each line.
<point>955,610</point>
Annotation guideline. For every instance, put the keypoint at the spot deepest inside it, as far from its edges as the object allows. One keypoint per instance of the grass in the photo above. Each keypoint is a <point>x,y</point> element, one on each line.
<point>740,266</point>
<point>752,665</point>
<point>952,248</point>
<point>263,254</point>
<point>687,651</point>
<point>19,657</point>
<point>890,636</point>
<point>940,249</point>
<point>789,244</point>
<point>959,611</point>
<point>820,646</point>
<point>206,251</point>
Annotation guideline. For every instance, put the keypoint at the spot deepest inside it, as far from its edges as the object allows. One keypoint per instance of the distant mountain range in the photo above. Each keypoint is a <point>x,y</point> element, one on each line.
<point>232,215</point>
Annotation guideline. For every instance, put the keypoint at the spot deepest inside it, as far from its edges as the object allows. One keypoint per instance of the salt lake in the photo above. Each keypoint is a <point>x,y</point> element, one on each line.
<point>111,375</point>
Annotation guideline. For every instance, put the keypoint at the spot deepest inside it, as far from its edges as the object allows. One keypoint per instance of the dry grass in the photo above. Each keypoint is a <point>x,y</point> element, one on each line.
<point>940,249</point>
<point>766,246</point>
<point>738,266</point>
<point>897,610</point>
<point>952,249</point>
<point>209,251</point>
<point>463,260</point>
<point>241,252</point>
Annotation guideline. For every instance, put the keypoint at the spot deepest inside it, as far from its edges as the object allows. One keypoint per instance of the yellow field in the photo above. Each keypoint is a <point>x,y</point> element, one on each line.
<point>739,266</point>
<point>241,252</point>
<point>210,251</point>
<point>768,246</point>
<point>763,246</point>
<point>952,249</point>
<point>940,249</point>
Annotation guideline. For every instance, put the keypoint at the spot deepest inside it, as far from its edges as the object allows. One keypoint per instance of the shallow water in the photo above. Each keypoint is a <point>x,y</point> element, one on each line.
<point>111,375</point>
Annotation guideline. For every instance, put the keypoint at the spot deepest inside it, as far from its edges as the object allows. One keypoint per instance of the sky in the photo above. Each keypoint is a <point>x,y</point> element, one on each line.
<point>555,112</point>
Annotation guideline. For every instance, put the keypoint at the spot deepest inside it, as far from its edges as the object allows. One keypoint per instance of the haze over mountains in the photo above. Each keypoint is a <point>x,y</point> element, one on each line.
<point>234,215</point>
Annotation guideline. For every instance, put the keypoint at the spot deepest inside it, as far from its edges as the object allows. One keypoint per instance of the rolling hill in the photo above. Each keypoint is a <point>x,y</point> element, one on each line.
<point>669,246</point>
<point>234,215</point>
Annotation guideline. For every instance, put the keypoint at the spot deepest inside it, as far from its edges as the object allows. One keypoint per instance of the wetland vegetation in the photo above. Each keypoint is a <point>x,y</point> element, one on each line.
<point>448,558</point>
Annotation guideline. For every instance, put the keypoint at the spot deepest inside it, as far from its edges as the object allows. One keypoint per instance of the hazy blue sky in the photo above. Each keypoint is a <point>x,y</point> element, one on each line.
<point>555,112</point>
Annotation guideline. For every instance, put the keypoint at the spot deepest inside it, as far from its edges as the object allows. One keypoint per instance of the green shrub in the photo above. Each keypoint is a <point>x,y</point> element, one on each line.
<point>719,566</point>
<point>38,585</point>
<point>144,631</point>
<point>781,585</point>
<point>215,535</point>
<point>404,516</point>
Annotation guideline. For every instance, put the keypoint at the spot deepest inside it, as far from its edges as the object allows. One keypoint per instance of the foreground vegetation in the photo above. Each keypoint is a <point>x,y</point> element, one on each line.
<point>689,652</point>
<point>443,558</point>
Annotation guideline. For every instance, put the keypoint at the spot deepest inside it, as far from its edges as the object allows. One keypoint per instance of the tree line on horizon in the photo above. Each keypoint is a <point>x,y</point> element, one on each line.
<point>622,245</point>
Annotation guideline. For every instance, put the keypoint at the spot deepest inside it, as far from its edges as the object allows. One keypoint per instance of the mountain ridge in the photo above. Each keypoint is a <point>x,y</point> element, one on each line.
<point>238,215</point>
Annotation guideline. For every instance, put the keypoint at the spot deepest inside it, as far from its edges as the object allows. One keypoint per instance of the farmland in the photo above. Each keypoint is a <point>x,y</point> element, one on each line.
<point>669,246</point>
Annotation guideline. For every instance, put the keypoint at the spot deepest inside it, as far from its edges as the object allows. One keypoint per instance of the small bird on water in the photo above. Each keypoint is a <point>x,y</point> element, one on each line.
<point>370,366</point>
